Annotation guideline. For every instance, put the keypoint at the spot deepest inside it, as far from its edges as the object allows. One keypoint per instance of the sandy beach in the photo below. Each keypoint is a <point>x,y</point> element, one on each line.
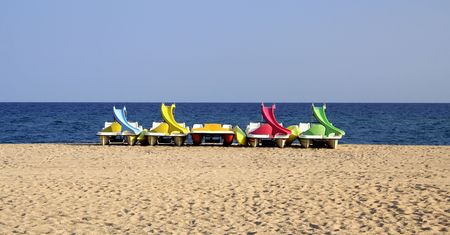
<point>50,188</point>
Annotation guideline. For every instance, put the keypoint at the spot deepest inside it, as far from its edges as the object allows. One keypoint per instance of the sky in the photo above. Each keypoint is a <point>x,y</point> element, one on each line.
<point>225,51</point>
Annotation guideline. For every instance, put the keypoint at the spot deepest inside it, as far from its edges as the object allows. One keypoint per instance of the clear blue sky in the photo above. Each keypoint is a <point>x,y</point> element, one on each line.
<point>292,51</point>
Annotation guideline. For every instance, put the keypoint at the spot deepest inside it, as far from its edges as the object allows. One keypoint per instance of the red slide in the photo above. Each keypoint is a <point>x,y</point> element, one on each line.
<point>269,116</point>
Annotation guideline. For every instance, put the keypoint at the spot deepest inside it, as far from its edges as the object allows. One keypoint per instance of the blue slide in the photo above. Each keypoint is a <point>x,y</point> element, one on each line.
<point>121,117</point>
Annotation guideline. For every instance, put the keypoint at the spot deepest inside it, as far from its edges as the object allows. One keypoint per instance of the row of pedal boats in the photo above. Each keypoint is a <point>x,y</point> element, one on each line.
<point>269,133</point>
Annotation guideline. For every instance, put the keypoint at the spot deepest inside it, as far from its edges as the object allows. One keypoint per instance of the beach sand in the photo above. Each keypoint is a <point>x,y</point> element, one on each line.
<point>51,188</point>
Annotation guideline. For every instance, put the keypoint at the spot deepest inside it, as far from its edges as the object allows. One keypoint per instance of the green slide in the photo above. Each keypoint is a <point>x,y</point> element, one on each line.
<point>319,114</point>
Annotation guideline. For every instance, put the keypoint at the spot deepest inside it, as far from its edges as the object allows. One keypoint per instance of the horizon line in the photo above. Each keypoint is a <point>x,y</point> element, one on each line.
<point>231,102</point>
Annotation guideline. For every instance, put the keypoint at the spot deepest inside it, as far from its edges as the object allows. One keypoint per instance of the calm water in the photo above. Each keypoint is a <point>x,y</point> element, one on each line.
<point>427,124</point>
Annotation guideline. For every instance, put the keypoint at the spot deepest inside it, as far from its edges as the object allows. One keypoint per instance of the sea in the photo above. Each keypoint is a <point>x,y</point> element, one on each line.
<point>364,123</point>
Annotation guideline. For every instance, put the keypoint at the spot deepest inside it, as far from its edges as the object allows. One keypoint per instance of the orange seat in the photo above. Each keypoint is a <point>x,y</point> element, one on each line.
<point>212,127</point>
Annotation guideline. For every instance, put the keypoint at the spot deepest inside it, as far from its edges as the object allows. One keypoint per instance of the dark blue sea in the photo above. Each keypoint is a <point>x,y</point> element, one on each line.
<point>371,123</point>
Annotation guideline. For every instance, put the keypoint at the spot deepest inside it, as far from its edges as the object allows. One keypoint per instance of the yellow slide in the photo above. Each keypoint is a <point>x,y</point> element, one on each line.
<point>167,115</point>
